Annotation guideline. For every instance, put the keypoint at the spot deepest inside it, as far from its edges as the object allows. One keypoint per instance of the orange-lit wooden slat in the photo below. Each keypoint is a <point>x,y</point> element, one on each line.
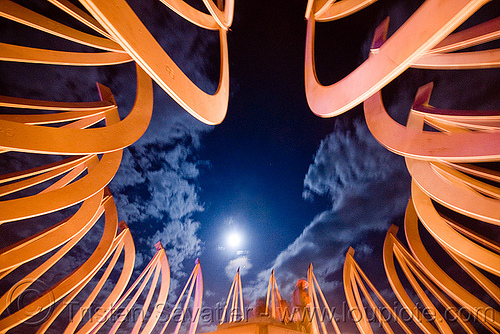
<point>94,326</point>
<point>195,281</point>
<point>78,191</point>
<point>116,135</point>
<point>122,242</point>
<point>460,60</point>
<point>146,303</point>
<point>74,108</point>
<point>389,60</point>
<point>334,10</point>
<point>313,287</point>
<point>157,265</point>
<point>450,239</point>
<point>455,196</point>
<point>223,18</point>
<point>454,176</point>
<point>46,176</point>
<point>117,17</point>
<point>67,300</point>
<point>273,297</point>
<point>162,294</point>
<point>419,144</point>
<point>20,14</point>
<point>154,270</point>
<point>196,277</point>
<point>481,311</point>
<point>410,267</point>
<point>235,294</point>
<point>80,15</point>
<point>479,34</point>
<point>191,14</point>
<point>71,281</point>
<point>51,238</point>
<point>26,54</point>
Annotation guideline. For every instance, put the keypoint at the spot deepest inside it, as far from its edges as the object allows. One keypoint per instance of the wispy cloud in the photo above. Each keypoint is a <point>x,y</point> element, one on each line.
<point>157,177</point>
<point>367,186</point>
<point>241,262</point>
<point>180,241</point>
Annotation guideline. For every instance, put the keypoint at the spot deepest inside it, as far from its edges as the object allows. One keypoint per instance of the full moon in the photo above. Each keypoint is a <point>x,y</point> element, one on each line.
<point>233,239</point>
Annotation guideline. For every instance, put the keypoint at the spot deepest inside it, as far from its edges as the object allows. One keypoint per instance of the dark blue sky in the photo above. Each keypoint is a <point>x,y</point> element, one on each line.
<point>260,154</point>
<point>271,149</point>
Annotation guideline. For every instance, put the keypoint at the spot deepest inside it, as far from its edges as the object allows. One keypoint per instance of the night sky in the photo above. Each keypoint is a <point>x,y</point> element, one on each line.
<point>296,187</point>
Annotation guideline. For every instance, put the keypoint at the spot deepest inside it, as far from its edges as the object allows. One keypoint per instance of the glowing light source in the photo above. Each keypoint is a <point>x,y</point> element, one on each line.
<point>233,239</point>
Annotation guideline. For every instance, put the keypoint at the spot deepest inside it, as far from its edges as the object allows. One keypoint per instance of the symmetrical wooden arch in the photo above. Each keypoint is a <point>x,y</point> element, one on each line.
<point>443,164</point>
<point>195,281</point>
<point>236,312</point>
<point>273,298</point>
<point>157,265</point>
<point>449,183</point>
<point>315,307</point>
<point>444,169</point>
<point>90,137</point>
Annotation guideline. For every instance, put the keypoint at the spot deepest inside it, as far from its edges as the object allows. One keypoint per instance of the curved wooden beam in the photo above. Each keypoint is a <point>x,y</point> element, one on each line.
<point>454,194</point>
<point>146,51</point>
<point>80,15</point>
<point>25,54</point>
<point>191,14</point>
<point>198,298</point>
<point>410,266</point>
<point>314,290</point>
<point>236,295</point>
<point>481,311</point>
<point>388,61</point>
<point>122,242</point>
<point>76,192</point>
<point>399,290</point>
<point>223,18</point>
<point>418,144</point>
<point>462,60</point>
<point>449,238</point>
<point>78,164</point>
<point>75,109</point>
<point>71,281</point>
<point>479,34</point>
<point>12,11</point>
<point>334,10</point>
<point>162,294</point>
<point>353,276</point>
<point>41,243</point>
<point>115,136</point>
